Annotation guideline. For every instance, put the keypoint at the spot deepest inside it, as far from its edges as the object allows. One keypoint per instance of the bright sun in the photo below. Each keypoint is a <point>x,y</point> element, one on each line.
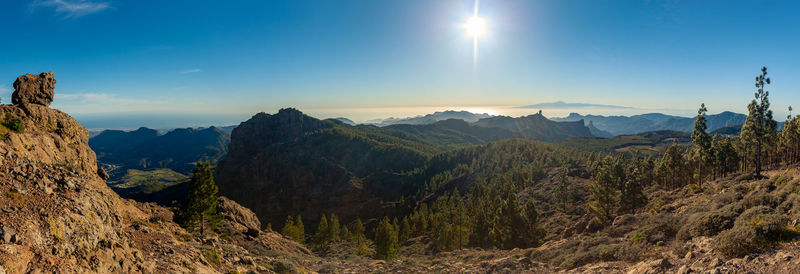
<point>475,27</point>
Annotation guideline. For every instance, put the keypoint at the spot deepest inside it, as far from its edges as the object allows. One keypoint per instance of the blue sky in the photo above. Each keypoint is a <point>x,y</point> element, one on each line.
<point>189,63</point>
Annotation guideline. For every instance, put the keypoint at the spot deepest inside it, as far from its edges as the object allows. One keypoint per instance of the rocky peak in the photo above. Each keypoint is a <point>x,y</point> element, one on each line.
<point>34,89</point>
<point>32,130</point>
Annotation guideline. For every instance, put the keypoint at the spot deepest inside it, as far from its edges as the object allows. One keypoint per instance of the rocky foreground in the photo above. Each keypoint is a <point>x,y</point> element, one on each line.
<point>58,216</point>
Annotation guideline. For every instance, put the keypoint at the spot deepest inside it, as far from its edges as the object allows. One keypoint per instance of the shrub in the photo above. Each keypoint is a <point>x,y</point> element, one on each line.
<point>712,223</point>
<point>212,256</point>
<point>637,237</point>
<point>791,204</point>
<point>759,198</point>
<point>56,228</point>
<point>738,241</point>
<point>753,232</point>
<point>14,123</point>
<point>660,227</point>
<point>283,266</point>
<point>729,197</point>
<point>753,213</point>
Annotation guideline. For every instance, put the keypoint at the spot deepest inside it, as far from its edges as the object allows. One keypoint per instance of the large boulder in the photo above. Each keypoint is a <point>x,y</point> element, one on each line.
<point>34,89</point>
<point>237,218</point>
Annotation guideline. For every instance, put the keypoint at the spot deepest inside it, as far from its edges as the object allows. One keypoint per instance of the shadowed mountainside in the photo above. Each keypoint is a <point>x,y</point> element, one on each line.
<point>618,125</point>
<point>290,163</point>
<point>145,149</point>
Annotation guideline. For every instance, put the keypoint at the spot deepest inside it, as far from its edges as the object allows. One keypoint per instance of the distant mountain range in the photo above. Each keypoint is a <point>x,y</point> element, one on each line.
<point>619,125</point>
<point>431,118</point>
<point>562,104</point>
<point>146,149</point>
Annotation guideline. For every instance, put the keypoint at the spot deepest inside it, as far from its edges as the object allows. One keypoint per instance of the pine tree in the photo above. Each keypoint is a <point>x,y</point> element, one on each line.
<point>358,231</point>
<point>334,228</point>
<point>321,236</point>
<point>790,138</point>
<point>386,242</point>
<point>533,234</point>
<point>201,201</point>
<point>288,227</point>
<point>701,142</point>
<point>405,230</point>
<point>300,231</point>
<point>603,190</point>
<point>759,126</point>
<point>294,229</point>
<point>671,168</point>
<point>562,192</point>
<point>631,195</point>
<point>345,234</point>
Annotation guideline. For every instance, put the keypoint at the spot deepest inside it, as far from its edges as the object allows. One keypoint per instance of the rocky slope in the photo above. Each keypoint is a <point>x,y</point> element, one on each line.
<point>58,216</point>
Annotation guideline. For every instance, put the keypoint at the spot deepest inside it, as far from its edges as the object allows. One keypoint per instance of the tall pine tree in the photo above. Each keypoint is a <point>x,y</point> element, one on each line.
<point>701,142</point>
<point>759,126</point>
<point>200,206</point>
<point>386,242</point>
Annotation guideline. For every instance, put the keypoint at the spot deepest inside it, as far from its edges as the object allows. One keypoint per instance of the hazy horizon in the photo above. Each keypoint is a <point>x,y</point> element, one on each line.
<point>132,121</point>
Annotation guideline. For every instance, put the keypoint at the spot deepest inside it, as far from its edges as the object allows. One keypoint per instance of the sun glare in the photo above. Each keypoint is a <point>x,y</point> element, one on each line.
<point>475,27</point>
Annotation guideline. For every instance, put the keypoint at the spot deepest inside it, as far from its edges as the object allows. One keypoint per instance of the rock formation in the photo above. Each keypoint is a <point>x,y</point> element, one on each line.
<point>58,216</point>
<point>269,169</point>
<point>34,89</point>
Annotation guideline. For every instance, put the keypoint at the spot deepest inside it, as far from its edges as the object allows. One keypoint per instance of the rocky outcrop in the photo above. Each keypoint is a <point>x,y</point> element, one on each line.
<point>31,130</point>
<point>58,216</point>
<point>289,164</point>
<point>237,218</point>
<point>34,89</point>
<point>47,135</point>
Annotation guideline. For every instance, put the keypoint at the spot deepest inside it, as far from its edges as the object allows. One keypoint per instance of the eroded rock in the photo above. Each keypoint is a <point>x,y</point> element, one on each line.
<point>34,89</point>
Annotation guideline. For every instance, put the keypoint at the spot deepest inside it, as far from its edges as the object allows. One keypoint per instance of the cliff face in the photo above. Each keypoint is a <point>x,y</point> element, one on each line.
<point>537,127</point>
<point>58,216</point>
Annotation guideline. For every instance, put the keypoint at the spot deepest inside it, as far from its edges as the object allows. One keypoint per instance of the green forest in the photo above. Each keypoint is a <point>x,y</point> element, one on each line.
<point>519,193</point>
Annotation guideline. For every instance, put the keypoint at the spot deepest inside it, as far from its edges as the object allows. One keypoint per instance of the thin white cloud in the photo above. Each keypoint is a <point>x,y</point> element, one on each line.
<point>73,8</point>
<point>104,98</point>
<point>191,71</point>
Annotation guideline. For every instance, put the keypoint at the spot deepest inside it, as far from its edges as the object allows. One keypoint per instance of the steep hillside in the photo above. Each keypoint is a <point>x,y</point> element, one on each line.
<point>537,127</point>
<point>455,133</point>
<point>289,163</point>
<point>653,142</point>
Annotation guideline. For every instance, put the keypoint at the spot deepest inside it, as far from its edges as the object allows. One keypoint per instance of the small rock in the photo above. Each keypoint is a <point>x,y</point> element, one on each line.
<point>684,270</point>
<point>716,262</point>
<point>102,173</point>
<point>9,235</point>
<point>783,256</point>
